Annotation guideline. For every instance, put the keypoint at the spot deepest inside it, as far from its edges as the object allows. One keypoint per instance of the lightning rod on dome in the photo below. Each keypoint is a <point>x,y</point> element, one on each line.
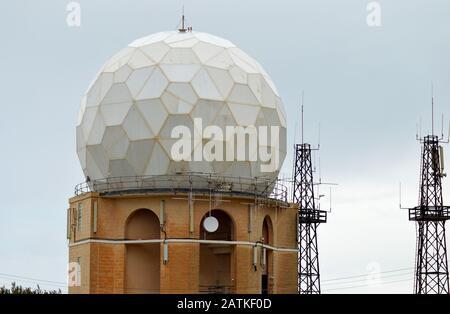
<point>183,28</point>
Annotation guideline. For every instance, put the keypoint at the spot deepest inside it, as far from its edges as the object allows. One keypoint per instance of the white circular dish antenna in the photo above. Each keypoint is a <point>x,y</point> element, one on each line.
<point>211,224</point>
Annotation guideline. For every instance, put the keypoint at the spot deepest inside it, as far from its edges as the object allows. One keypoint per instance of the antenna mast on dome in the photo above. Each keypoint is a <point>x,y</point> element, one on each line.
<point>183,28</point>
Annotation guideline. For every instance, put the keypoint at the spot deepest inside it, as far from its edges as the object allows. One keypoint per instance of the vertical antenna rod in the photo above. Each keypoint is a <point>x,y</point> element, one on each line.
<point>302,118</point>
<point>432,109</point>
<point>183,28</point>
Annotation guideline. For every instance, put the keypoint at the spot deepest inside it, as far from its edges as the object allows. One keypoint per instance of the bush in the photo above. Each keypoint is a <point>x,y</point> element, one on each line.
<point>16,289</point>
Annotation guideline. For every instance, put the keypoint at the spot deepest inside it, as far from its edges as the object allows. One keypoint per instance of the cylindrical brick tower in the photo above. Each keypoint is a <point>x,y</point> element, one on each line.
<point>181,137</point>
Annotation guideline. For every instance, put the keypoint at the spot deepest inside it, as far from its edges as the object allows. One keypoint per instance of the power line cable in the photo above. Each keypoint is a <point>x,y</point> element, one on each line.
<point>362,275</point>
<point>364,286</point>
<point>366,279</point>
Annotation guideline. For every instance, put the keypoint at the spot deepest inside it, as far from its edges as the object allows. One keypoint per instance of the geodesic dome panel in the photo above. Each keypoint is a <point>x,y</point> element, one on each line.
<point>165,80</point>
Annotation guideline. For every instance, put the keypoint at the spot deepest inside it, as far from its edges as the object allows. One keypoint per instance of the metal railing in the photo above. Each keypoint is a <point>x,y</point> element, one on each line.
<point>312,216</point>
<point>216,289</point>
<point>429,213</point>
<point>198,183</point>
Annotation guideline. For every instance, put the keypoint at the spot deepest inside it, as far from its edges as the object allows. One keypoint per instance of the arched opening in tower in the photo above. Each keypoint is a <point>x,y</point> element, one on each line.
<point>267,257</point>
<point>217,260</point>
<point>142,265</point>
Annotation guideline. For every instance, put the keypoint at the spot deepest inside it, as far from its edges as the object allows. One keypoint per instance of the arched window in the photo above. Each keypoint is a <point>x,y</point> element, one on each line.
<point>267,256</point>
<point>142,266</point>
<point>216,260</point>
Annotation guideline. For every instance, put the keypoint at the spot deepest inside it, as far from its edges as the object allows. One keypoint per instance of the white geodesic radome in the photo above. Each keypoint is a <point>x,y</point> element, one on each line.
<point>168,79</point>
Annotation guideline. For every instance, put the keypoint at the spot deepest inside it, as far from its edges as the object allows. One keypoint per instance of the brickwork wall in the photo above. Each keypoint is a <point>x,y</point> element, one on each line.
<point>103,265</point>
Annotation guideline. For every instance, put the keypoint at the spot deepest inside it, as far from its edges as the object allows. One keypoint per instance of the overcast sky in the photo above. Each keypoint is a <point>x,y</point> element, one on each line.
<point>367,86</point>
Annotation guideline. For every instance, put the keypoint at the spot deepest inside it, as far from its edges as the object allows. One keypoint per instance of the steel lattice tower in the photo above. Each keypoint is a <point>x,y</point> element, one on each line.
<point>309,219</point>
<point>431,273</point>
